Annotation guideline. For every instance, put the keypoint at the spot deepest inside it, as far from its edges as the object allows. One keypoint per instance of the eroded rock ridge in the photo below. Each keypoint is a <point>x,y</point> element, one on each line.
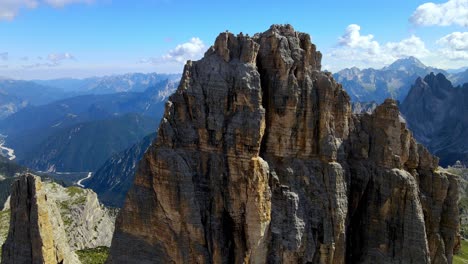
<point>259,159</point>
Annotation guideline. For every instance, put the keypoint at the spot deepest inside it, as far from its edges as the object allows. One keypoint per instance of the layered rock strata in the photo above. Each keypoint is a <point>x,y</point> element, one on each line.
<point>49,222</point>
<point>36,233</point>
<point>259,159</point>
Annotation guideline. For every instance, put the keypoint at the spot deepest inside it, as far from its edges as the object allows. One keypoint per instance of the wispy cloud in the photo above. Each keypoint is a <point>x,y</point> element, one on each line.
<point>58,57</point>
<point>53,60</point>
<point>62,3</point>
<point>38,65</point>
<point>354,48</point>
<point>452,12</point>
<point>4,56</point>
<point>9,9</point>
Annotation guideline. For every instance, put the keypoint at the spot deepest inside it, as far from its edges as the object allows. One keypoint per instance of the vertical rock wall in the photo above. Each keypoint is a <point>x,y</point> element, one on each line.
<point>259,159</point>
<point>36,232</point>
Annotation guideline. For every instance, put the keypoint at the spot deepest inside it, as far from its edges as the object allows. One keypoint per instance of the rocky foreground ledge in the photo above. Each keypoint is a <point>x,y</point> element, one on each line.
<point>48,222</point>
<point>259,159</point>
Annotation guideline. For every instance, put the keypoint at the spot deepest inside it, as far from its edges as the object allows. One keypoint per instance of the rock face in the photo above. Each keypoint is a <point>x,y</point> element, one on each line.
<point>437,114</point>
<point>49,222</point>
<point>4,225</point>
<point>87,223</point>
<point>36,234</point>
<point>362,108</point>
<point>259,159</point>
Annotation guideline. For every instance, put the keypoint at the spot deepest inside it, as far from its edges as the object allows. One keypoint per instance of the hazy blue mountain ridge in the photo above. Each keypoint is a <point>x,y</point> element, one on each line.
<point>392,81</point>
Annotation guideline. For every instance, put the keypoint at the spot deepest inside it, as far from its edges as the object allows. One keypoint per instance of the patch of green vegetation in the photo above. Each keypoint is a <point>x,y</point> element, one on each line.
<point>464,231</point>
<point>54,186</point>
<point>67,221</point>
<point>65,206</point>
<point>93,255</point>
<point>73,190</point>
<point>79,200</point>
<point>463,205</point>
<point>462,256</point>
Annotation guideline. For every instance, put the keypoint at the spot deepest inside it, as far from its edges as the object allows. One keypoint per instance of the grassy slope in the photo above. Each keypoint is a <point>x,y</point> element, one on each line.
<point>93,255</point>
<point>462,256</point>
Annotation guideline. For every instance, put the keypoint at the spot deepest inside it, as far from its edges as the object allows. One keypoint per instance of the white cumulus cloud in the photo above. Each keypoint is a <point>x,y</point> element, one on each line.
<point>454,46</point>
<point>191,50</point>
<point>9,9</point>
<point>452,12</point>
<point>352,38</point>
<point>355,49</point>
<point>412,46</point>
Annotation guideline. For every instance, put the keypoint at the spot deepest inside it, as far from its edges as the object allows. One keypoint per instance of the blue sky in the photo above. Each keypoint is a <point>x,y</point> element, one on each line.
<point>43,39</point>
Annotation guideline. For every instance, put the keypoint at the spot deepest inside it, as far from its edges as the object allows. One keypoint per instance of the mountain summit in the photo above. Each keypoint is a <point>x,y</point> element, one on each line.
<point>393,81</point>
<point>406,64</point>
<point>437,114</point>
<point>259,159</point>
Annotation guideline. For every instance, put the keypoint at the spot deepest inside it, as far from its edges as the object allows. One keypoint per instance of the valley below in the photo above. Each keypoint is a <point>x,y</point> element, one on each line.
<point>254,153</point>
<point>5,151</point>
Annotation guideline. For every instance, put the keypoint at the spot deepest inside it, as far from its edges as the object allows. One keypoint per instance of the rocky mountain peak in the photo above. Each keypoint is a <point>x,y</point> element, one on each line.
<point>437,81</point>
<point>405,64</point>
<point>259,159</point>
<point>432,106</point>
<point>278,38</point>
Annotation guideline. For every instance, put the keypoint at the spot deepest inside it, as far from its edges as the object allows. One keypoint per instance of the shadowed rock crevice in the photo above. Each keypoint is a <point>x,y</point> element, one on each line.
<point>259,159</point>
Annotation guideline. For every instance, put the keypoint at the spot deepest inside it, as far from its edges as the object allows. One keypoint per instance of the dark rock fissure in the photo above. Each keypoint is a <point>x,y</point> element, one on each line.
<point>264,86</point>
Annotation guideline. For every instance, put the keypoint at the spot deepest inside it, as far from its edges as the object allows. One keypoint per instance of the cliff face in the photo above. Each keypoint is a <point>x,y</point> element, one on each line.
<point>87,223</point>
<point>49,222</point>
<point>36,233</point>
<point>259,159</point>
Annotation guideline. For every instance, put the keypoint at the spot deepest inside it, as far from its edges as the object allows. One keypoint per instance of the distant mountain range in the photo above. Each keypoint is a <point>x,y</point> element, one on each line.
<point>393,81</point>
<point>16,94</point>
<point>33,130</point>
<point>86,146</point>
<point>131,82</point>
<point>113,180</point>
<point>459,78</point>
<point>437,113</point>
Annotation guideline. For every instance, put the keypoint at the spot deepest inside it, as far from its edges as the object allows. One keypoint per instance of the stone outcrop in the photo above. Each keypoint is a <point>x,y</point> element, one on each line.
<point>49,222</point>
<point>259,159</point>
<point>88,224</point>
<point>36,234</point>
